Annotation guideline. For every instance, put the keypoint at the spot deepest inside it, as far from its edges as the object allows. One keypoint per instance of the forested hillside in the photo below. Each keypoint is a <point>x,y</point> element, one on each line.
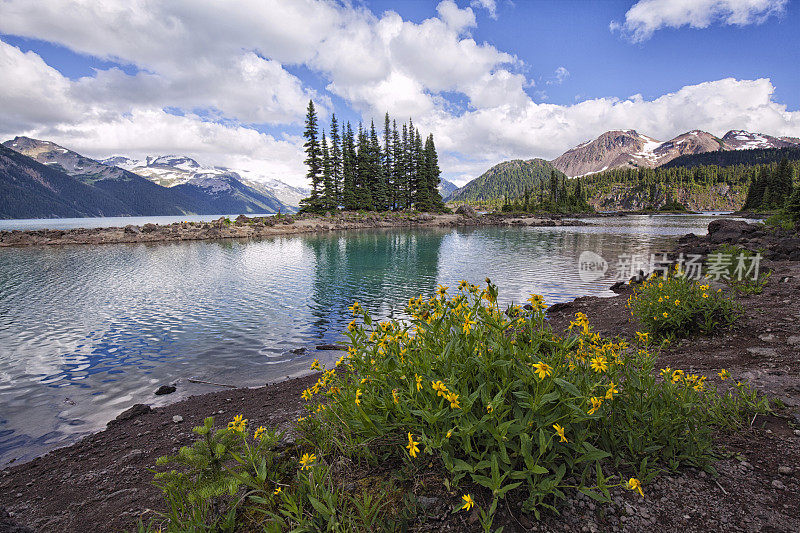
<point>735,157</point>
<point>508,180</point>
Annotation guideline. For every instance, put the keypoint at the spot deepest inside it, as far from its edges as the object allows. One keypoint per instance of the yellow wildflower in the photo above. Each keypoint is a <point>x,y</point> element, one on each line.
<point>449,433</point>
<point>307,460</point>
<point>277,491</point>
<point>634,484</point>
<point>560,432</point>
<point>307,394</point>
<point>418,378</point>
<point>468,502</point>
<point>537,302</point>
<point>453,399</point>
<point>643,337</point>
<point>543,369</point>
<point>358,396</point>
<point>596,403</point>
<point>599,364</point>
<point>395,397</point>
<point>238,423</point>
<point>705,295</point>
<point>489,408</point>
<point>665,314</point>
<point>677,376</point>
<point>724,374</point>
<point>355,308</point>
<point>259,432</point>
<point>412,447</point>
<point>468,325</point>
<point>611,391</point>
<point>352,325</point>
<point>315,365</point>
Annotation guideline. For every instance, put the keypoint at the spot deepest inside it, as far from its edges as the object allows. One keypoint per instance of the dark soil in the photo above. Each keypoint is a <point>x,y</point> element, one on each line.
<point>102,482</point>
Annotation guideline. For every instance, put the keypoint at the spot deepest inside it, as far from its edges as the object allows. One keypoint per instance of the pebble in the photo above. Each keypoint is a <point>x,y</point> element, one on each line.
<point>794,340</point>
<point>785,470</point>
<point>776,483</point>
<point>177,419</point>
<point>768,337</point>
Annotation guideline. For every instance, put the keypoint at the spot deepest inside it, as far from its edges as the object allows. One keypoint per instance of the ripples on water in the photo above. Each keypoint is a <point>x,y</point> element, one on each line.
<point>86,331</point>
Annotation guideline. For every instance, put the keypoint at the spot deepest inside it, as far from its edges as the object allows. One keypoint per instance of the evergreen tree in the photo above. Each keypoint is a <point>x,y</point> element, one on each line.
<point>405,164</point>
<point>793,205</point>
<point>364,170</point>
<point>421,192</point>
<point>336,160</point>
<point>349,169</point>
<point>329,200</point>
<point>397,169</point>
<point>313,161</point>
<point>432,175</point>
<point>377,176</point>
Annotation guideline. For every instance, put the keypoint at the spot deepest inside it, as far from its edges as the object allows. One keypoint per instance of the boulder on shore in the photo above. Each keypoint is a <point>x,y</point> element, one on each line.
<point>730,231</point>
<point>467,211</point>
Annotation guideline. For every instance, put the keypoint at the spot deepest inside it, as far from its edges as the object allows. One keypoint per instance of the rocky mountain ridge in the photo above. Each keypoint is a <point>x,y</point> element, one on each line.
<point>629,148</point>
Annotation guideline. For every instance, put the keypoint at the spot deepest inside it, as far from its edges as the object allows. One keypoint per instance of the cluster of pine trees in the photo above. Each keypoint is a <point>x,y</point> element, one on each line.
<point>770,188</point>
<point>359,171</point>
<point>558,195</point>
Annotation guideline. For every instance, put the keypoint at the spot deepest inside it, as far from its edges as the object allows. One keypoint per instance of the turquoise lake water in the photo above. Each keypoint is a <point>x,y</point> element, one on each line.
<point>87,331</point>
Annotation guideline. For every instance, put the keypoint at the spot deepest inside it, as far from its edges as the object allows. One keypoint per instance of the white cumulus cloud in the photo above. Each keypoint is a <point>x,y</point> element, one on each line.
<point>647,16</point>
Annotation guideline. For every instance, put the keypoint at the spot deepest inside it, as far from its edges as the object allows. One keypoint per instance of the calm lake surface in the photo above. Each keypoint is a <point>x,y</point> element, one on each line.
<point>87,331</point>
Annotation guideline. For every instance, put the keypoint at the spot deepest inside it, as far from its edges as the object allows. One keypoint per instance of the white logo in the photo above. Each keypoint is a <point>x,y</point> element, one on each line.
<point>591,266</point>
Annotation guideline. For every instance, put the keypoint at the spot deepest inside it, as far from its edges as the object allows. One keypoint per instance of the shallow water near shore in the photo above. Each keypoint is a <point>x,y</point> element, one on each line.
<point>87,331</point>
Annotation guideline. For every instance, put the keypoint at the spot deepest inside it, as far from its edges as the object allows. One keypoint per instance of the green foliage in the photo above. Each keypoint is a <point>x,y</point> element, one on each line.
<point>677,306</point>
<point>488,394</point>
<point>792,210</point>
<point>770,188</point>
<point>735,273</point>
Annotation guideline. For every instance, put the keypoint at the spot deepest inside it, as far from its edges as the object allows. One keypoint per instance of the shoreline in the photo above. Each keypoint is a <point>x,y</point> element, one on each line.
<point>103,481</point>
<point>244,227</point>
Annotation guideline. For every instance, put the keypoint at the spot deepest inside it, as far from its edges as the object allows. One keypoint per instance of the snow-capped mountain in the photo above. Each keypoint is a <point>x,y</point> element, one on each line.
<point>744,140</point>
<point>175,170</point>
<point>447,188</point>
<point>67,161</point>
<point>620,149</point>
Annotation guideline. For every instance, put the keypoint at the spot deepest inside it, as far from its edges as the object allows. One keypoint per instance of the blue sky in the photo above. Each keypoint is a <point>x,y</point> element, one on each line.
<point>492,79</point>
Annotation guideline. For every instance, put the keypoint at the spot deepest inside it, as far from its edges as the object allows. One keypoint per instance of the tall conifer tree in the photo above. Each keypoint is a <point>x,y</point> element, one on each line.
<point>336,160</point>
<point>313,160</point>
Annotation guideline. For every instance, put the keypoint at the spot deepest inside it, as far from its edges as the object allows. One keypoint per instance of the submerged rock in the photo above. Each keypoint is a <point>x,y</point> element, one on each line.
<point>165,389</point>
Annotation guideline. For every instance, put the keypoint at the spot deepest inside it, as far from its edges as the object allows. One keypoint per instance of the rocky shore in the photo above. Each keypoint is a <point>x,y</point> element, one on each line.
<point>244,227</point>
<point>102,482</point>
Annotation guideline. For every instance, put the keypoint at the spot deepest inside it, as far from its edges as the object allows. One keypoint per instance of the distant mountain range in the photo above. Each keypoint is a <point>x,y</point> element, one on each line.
<point>616,149</point>
<point>119,186</point>
<point>175,170</point>
<point>612,149</point>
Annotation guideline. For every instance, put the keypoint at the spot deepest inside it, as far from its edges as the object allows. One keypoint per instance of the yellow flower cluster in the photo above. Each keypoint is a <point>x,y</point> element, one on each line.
<point>441,390</point>
<point>238,423</point>
<point>691,380</point>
